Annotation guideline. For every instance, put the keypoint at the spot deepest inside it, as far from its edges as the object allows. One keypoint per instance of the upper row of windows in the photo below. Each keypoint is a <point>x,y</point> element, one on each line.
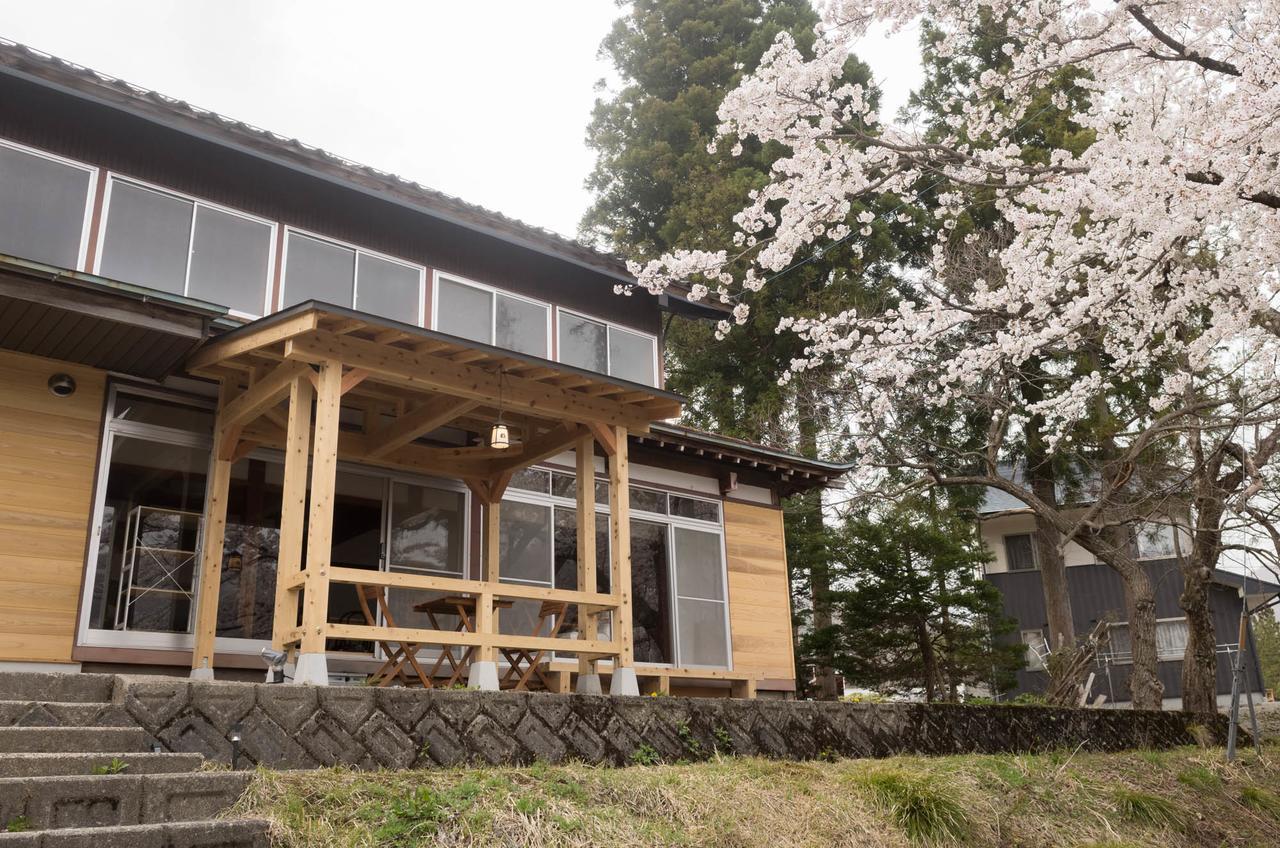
<point>179,244</point>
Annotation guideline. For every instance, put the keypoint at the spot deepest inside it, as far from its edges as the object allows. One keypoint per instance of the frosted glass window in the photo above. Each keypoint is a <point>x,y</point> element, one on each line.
<point>148,238</point>
<point>583,343</point>
<point>390,289</point>
<point>318,270</point>
<point>42,206</point>
<point>631,357</point>
<point>464,311</point>
<point>703,640</point>
<point>521,326</point>
<point>230,255</point>
<point>699,573</point>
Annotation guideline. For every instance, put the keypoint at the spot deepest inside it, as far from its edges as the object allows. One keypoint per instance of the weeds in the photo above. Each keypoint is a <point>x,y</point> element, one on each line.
<point>18,824</point>
<point>1261,800</point>
<point>1149,810</point>
<point>645,755</point>
<point>923,806</point>
<point>116,766</point>
<point>1200,779</point>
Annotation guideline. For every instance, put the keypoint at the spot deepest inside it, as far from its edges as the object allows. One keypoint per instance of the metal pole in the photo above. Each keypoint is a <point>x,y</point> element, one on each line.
<point>1237,670</point>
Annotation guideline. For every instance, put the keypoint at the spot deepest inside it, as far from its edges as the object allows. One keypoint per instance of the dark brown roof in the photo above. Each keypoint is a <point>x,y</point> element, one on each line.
<point>34,65</point>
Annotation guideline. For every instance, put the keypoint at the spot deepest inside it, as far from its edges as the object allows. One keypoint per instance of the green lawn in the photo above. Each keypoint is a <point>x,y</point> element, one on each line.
<point>1183,797</point>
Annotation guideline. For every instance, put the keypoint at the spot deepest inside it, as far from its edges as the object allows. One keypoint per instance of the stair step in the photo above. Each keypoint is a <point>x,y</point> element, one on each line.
<point>63,714</point>
<point>58,740</point>
<point>118,799</point>
<point>38,765</point>
<point>40,686</point>
<point>222,833</point>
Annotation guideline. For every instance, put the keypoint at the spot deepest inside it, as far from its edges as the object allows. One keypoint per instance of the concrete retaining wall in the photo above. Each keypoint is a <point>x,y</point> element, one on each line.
<point>301,727</point>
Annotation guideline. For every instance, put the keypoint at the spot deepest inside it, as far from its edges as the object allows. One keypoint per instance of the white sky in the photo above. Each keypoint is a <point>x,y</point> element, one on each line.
<point>487,101</point>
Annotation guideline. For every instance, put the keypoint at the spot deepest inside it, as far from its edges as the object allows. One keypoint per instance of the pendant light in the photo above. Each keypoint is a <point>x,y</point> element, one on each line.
<point>499,435</point>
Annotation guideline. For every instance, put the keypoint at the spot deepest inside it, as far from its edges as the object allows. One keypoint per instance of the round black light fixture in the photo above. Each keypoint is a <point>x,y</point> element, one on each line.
<point>62,385</point>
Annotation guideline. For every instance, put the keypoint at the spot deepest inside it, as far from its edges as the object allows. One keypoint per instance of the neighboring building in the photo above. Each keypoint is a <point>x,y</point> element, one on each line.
<point>1097,593</point>
<point>176,287</point>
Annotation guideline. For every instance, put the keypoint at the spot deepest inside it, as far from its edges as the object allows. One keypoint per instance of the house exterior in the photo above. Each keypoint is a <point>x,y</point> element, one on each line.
<point>1097,594</point>
<point>248,389</point>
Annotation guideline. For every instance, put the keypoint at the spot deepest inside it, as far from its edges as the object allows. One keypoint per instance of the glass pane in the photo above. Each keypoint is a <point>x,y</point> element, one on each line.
<point>699,573</point>
<point>428,528</point>
<point>148,238</point>
<point>564,485</point>
<point>229,261</point>
<point>357,543</point>
<point>42,205</point>
<point>695,508</point>
<point>566,551</point>
<point>703,639</point>
<point>251,550</point>
<point>318,270</point>
<point>389,289</point>
<point>530,479</point>
<point>631,357</point>
<point>163,413</point>
<point>521,326</point>
<point>1155,541</point>
<point>582,343</point>
<point>602,491</point>
<point>464,311</point>
<point>648,500</point>
<point>1019,552</point>
<point>524,546</point>
<point>651,604</point>
<point>145,575</point>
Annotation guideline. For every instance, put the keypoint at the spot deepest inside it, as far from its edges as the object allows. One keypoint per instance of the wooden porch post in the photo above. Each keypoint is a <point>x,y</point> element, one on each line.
<point>588,617</point>
<point>293,511</point>
<point>312,664</point>
<point>483,673</point>
<point>623,681</point>
<point>213,533</point>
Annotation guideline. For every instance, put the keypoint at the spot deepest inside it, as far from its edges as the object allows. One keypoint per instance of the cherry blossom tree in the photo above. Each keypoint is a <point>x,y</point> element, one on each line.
<point>1149,258</point>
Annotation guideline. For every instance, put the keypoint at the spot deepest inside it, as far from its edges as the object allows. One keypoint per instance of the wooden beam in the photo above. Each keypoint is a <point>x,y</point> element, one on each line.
<point>324,472</point>
<point>438,374</point>
<point>606,437</point>
<point>212,538</point>
<point>293,510</point>
<point>486,615</point>
<point>554,441</point>
<point>419,422</point>
<point>620,546</point>
<point>586,514</point>
<point>262,395</point>
<point>353,378</point>
<point>247,339</point>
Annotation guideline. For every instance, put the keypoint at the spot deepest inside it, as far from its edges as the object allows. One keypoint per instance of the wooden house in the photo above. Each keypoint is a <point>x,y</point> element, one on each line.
<point>253,395</point>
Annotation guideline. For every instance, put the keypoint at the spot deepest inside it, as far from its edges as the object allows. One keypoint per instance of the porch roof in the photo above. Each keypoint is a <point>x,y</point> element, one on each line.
<point>410,381</point>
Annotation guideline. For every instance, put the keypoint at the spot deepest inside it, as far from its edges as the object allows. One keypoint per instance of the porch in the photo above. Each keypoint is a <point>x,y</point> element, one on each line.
<point>324,384</point>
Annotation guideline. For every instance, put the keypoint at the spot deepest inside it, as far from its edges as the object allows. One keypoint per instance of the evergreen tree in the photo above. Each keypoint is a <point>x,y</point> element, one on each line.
<point>1266,636</point>
<point>656,186</point>
<point>912,609</point>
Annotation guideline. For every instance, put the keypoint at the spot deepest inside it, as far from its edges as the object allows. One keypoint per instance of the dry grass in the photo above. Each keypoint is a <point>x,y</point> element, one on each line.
<point>1186,797</point>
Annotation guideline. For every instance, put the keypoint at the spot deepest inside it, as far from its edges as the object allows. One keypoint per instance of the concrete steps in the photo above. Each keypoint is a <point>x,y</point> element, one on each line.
<point>41,765</point>
<point>56,729</point>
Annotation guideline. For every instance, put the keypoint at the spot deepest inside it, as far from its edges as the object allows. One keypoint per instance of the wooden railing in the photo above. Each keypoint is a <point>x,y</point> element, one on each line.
<point>485,593</point>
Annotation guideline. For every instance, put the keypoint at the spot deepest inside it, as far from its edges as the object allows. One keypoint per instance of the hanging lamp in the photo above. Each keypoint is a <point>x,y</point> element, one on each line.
<point>499,435</point>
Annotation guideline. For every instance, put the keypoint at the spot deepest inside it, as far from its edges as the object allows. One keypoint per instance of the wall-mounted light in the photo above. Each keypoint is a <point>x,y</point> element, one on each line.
<point>62,385</point>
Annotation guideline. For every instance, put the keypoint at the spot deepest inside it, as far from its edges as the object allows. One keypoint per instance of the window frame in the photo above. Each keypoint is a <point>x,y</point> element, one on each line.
<point>493,291</point>
<point>610,326</point>
<point>1008,562</point>
<point>1128,658</point>
<point>1170,529</point>
<point>196,202</point>
<point>670,523</point>
<point>91,192</point>
<point>355,269</point>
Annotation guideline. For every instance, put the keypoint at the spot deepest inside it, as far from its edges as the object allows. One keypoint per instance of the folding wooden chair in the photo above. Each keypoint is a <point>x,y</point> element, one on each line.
<point>527,663</point>
<point>396,658</point>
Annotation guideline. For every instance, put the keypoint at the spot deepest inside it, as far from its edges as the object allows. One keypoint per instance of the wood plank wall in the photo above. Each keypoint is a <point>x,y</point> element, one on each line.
<point>48,454</point>
<point>759,593</point>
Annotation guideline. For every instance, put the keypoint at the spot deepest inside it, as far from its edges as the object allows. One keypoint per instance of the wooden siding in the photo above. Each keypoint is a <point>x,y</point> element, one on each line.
<point>759,591</point>
<point>48,454</point>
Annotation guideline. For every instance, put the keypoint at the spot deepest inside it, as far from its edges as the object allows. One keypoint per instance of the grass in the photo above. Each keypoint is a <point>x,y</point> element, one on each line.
<point>1183,798</point>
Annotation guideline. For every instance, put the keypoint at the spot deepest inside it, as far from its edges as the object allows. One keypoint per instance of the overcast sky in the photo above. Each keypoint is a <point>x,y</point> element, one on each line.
<point>484,100</point>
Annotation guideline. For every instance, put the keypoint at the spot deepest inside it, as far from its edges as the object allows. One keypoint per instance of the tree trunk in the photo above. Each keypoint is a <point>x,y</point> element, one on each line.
<point>928,660</point>
<point>1200,662</point>
<point>1145,687</point>
<point>826,681</point>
